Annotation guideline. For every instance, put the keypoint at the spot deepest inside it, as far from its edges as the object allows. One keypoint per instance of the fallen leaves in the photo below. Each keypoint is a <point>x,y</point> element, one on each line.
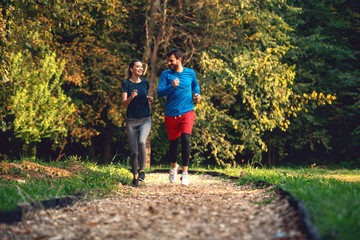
<point>27,169</point>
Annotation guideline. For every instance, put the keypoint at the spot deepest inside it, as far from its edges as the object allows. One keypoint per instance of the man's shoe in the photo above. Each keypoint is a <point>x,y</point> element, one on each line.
<point>135,182</point>
<point>173,173</point>
<point>141,176</point>
<point>185,179</point>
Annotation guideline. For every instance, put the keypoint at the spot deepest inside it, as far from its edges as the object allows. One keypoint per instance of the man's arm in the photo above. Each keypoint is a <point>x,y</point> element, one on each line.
<point>196,88</point>
<point>164,89</point>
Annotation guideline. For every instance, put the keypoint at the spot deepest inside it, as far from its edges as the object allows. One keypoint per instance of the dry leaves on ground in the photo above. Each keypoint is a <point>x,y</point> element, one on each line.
<point>22,171</point>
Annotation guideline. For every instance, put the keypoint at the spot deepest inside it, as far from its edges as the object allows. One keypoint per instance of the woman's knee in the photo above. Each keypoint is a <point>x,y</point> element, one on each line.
<point>142,144</point>
<point>135,155</point>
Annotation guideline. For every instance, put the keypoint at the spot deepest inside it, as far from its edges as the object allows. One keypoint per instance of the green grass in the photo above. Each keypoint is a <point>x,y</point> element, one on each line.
<point>331,196</point>
<point>333,204</point>
<point>97,180</point>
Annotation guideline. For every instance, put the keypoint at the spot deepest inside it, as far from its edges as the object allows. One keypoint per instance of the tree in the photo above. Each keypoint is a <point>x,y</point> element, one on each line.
<point>326,59</point>
<point>39,105</point>
<point>249,85</point>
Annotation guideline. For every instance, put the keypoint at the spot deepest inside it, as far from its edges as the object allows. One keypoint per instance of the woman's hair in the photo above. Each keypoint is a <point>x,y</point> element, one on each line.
<point>131,65</point>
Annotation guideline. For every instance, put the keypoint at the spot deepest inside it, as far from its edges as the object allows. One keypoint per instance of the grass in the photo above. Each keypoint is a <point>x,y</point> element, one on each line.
<point>333,204</point>
<point>26,181</point>
<point>331,196</point>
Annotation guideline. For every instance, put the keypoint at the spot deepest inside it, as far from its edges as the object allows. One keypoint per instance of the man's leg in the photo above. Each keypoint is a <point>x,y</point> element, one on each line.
<point>186,126</point>
<point>185,153</point>
<point>172,155</point>
<point>185,150</point>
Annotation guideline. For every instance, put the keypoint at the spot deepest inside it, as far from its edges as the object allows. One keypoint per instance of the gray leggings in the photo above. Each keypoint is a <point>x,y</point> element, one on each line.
<point>138,130</point>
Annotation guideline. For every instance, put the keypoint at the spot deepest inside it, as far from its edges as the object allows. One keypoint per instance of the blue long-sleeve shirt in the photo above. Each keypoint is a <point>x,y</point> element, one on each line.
<point>179,99</point>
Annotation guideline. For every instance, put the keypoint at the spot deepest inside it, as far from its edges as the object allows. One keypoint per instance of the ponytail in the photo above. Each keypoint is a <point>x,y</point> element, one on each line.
<point>131,65</point>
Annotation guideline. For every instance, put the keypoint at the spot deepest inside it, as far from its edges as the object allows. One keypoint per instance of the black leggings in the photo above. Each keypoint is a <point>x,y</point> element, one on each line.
<point>185,149</point>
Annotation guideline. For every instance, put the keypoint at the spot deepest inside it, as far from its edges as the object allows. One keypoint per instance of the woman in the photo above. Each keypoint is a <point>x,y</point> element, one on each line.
<point>134,92</point>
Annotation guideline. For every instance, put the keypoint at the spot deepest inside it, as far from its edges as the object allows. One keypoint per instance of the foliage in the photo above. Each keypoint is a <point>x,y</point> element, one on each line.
<point>268,72</point>
<point>39,105</point>
<point>248,84</point>
<point>5,89</point>
<point>94,40</point>
<point>326,61</point>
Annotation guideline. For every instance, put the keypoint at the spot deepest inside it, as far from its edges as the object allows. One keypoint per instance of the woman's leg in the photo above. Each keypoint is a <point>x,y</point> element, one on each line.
<point>132,133</point>
<point>144,131</point>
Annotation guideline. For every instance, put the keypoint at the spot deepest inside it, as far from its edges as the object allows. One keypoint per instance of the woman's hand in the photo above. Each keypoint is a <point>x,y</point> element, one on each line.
<point>150,99</point>
<point>134,94</point>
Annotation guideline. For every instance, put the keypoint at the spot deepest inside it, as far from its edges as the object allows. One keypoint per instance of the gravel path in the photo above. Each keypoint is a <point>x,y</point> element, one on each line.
<point>209,208</point>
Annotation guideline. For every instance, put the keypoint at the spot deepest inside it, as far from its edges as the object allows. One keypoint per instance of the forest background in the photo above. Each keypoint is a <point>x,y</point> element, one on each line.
<point>279,78</point>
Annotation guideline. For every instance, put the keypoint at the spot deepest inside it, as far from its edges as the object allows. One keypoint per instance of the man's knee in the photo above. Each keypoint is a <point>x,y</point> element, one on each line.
<point>185,138</point>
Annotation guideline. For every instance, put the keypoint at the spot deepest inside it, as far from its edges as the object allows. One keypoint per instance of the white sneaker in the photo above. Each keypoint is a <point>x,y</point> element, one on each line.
<point>173,173</point>
<point>185,179</point>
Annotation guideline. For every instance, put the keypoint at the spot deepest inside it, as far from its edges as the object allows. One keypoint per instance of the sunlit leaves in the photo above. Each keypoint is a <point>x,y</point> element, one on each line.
<point>39,105</point>
<point>248,84</point>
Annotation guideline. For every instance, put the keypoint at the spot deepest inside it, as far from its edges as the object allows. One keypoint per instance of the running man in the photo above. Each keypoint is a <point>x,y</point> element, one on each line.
<point>179,84</point>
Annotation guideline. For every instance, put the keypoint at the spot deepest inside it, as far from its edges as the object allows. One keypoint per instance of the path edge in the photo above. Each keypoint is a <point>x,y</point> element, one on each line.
<point>306,220</point>
<point>16,214</point>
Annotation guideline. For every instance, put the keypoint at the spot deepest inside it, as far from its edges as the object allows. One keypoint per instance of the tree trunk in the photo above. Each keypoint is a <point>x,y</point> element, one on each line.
<point>107,144</point>
<point>29,150</point>
<point>91,151</point>
<point>269,150</point>
<point>151,53</point>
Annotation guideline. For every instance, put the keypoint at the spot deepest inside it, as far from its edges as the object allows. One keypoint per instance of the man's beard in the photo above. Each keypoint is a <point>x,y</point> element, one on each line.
<point>173,67</point>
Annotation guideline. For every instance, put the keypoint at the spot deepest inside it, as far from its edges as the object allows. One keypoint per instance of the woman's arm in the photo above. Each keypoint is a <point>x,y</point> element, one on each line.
<point>125,100</point>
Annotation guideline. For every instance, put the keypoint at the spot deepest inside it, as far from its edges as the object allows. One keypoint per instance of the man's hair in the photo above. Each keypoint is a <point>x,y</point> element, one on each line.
<point>176,52</point>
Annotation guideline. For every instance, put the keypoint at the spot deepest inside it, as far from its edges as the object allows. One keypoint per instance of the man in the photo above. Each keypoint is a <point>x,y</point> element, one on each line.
<point>177,84</point>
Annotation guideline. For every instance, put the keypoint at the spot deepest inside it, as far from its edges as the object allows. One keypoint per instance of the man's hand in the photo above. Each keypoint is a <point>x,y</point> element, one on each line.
<point>197,97</point>
<point>176,82</point>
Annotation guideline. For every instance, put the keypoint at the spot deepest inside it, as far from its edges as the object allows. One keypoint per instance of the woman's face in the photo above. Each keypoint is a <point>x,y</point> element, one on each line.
<point>137,69</point>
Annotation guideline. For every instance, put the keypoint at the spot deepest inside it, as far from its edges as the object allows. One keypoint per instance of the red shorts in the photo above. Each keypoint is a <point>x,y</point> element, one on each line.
<point>175,126</point>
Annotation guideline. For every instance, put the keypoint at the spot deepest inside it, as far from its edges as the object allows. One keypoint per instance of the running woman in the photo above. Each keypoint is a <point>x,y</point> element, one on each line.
<point>134,93</point>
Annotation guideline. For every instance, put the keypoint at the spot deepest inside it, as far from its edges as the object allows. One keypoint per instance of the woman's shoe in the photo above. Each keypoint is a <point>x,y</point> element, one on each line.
<point>141,176</point>
<point>135,182</point>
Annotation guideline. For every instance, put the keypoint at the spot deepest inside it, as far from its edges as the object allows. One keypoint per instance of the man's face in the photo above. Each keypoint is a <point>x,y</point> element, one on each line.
<point>173,63</point>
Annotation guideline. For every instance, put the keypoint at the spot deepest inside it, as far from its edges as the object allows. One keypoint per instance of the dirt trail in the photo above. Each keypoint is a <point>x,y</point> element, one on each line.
<point>209,208</point>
